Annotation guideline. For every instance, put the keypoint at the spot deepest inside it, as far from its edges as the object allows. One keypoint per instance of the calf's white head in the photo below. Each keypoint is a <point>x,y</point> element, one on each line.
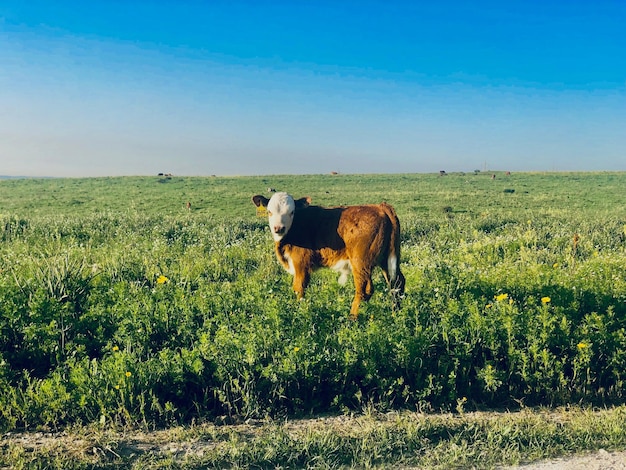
<point>281,208</point>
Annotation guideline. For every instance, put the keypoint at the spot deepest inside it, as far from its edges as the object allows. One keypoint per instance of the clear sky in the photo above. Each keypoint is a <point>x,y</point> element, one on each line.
<point>190,87</point>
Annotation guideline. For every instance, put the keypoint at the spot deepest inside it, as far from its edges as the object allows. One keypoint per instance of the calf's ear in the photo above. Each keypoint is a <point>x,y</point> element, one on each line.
<point>303,202</point>
<point>260,201</point>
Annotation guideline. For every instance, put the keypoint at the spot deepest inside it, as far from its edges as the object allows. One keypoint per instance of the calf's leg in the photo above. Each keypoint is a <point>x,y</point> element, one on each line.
<point>396,286</point>
<point>397,290</point>
<point>300,281</point>
<point>364,288</point>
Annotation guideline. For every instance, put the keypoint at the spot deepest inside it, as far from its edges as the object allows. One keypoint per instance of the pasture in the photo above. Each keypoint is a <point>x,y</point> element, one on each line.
<point>120,306</point>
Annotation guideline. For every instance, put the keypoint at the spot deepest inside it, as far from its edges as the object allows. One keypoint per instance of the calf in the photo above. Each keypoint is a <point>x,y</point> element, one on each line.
<point>347,239</point>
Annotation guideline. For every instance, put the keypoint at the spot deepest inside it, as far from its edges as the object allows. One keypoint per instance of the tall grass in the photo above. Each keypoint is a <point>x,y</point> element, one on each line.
<point>370,440</point>
<point>127,308</point>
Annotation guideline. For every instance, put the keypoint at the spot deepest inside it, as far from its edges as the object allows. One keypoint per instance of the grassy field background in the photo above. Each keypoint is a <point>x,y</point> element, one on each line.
<point>412,194</point>
<point>120,307</point>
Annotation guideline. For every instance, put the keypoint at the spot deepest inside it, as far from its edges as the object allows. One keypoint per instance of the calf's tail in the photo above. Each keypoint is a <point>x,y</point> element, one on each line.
<point>396,278</point>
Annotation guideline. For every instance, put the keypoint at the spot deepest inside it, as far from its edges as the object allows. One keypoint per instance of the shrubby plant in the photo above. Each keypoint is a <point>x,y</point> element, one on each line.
<point>126,317</point>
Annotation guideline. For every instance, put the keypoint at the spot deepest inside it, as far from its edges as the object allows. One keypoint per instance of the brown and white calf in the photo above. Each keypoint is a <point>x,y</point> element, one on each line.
<point>347,239</point>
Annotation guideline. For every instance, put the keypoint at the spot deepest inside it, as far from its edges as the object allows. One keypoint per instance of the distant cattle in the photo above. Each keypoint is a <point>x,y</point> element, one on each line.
<point>347,239</point>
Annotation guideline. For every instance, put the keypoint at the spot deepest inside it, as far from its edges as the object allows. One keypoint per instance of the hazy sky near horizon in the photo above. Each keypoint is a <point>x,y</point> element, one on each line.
<point>190,87</point>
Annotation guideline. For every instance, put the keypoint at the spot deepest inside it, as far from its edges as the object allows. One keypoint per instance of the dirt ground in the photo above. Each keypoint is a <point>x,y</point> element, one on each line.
<point>601,460</point>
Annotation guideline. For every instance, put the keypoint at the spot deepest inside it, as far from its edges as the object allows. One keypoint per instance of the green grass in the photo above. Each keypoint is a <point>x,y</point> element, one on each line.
<point>411,194</point>
<point>369,440</point>
<point>121,308</point>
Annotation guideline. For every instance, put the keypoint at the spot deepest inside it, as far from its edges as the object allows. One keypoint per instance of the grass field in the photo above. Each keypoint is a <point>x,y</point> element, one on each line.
<point>121,308</point>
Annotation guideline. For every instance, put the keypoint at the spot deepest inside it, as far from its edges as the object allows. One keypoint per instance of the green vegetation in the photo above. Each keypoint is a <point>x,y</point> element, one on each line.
<point>119,307</point>
<point>390,440</point>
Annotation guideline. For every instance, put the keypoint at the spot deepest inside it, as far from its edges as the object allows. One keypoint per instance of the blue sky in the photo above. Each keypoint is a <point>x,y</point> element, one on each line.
<point>107,88</point>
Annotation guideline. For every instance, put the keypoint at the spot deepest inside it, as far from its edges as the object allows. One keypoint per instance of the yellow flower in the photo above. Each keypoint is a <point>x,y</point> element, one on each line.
<point>117,387</point>
<point>116,348</point>
<point>296,349</point>
<point>582,345</point>
<point>162,279</point>
<point>545,300</point>
<point>555,265</point>
<point>488,306</point>
<point>128,374</point>
<point>501,297</point>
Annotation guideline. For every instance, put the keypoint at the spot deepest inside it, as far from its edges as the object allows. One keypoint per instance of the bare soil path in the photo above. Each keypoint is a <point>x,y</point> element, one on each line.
<point>601,460</point>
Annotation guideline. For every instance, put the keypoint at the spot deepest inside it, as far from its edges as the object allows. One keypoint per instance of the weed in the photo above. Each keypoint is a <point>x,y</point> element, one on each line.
<point>151,314</point>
